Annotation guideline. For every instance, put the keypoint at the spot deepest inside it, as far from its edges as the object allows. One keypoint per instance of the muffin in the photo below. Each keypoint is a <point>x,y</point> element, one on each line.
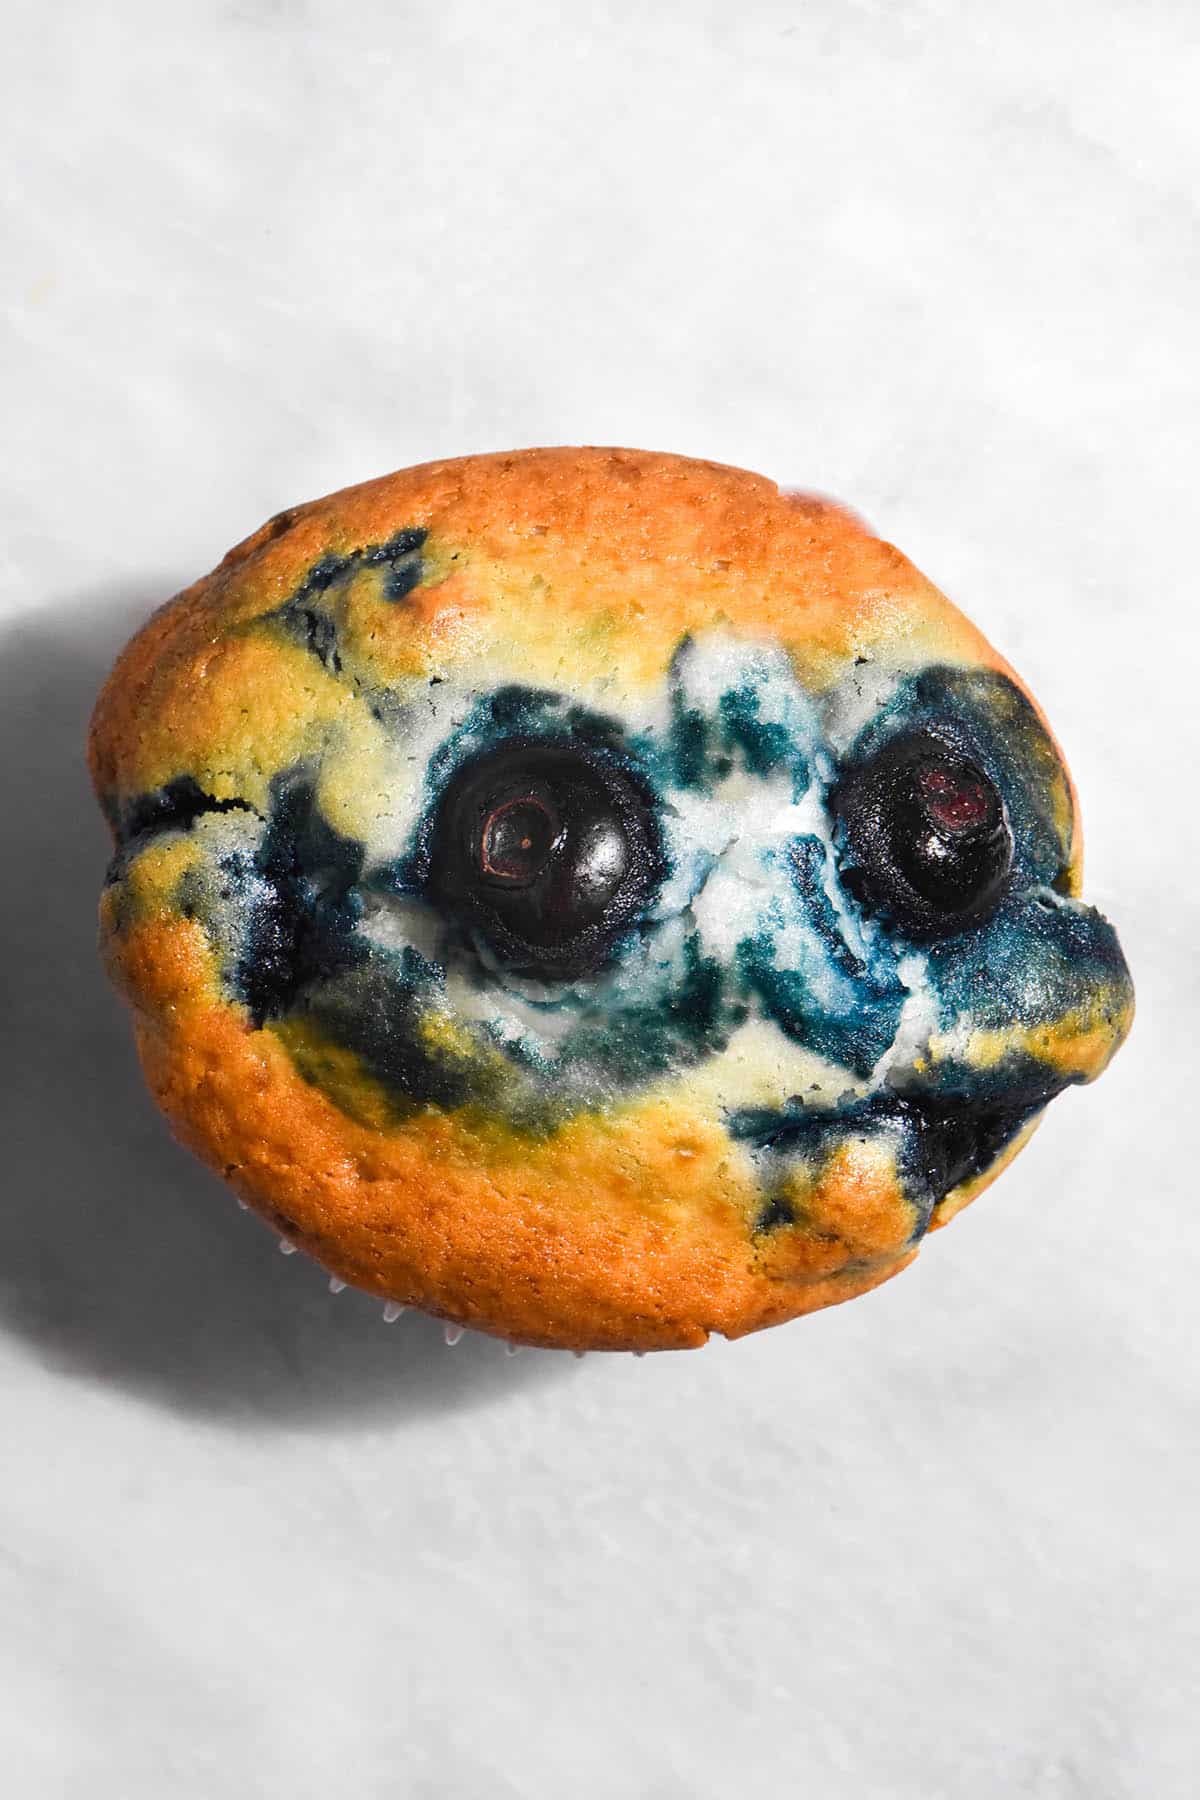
<point>594,896</point>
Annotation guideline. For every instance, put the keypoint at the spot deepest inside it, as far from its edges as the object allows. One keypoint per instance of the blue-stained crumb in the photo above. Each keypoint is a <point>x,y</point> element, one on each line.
<point>175,807</point>
<point>808,979</point>
<point>375,1009</point>
<point>681,979</point>
<point>1039,959</point>
<point>705,744</point>
<point>849,1020</point>
<point>777,1211</point>
<point>765,746</point>
<point>518,713</point>
<point>937,1145</point>
<point>808,870</point>
<point>401,562</point>
<point>309,615</point>
<point>514,708</point>
<point>689,748</point>
<point>306,930</point>
<point>318,633</point>
<point>660,1024</point>
<point>399,558</point>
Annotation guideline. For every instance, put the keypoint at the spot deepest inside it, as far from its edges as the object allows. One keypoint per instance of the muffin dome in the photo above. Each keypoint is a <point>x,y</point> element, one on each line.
<point>593,895</point>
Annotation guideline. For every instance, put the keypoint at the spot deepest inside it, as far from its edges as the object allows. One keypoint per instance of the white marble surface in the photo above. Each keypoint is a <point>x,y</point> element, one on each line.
<point>941,259</point>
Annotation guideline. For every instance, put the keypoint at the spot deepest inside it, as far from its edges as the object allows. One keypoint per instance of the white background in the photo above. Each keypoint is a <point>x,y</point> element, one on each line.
<point>938,259</point>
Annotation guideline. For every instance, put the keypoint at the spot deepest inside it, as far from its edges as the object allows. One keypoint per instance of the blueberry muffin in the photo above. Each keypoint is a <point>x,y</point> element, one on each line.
<point>594,896</point>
